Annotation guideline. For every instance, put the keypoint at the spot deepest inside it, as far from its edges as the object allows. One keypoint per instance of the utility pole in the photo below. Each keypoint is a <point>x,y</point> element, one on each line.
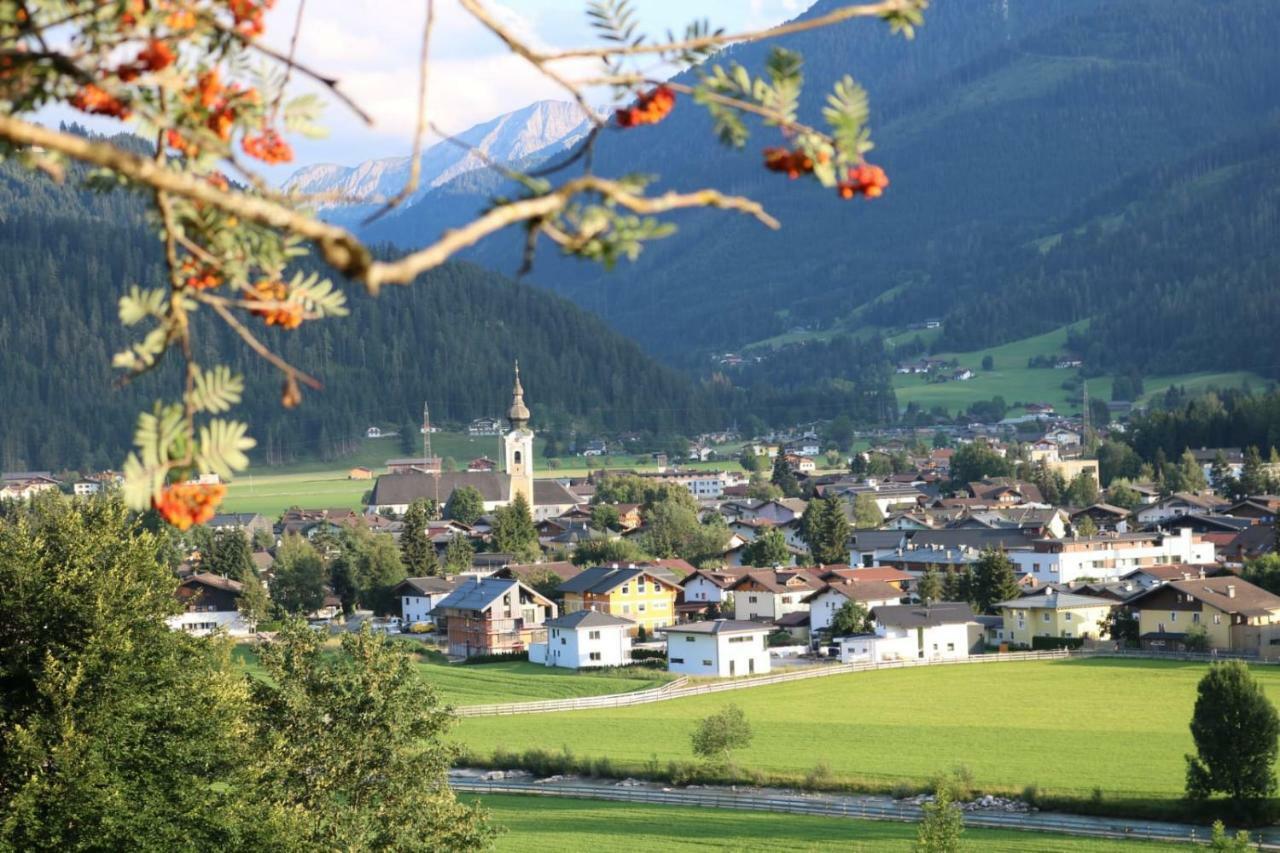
<point>1085,437</point>
<point>426,433</point>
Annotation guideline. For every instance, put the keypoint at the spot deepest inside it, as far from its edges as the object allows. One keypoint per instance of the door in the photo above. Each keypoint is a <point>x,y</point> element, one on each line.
<point>732,667</point>
<point>751,666</point>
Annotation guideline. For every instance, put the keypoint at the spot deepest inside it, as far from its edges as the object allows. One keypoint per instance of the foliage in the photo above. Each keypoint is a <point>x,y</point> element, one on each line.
<point>417,551</point>
<point>355,743</point>
<point>1196,639</point>
<point>929,588</point>
<point>370,563</point>
<point>1235,729</point>
<point>1220,841</point>
<point>1264,571</point>
<point>1121,625</point>
<point>299,576</point>
<point>783,477</point>
<point>672,529</point>
<point>605,517</point>
<point>602,552</point>
<point>229,555</point>
<point>465,505</point>
<point>825,529</point>
<point>942,824</point>
<point>975,461</point>
<point>994,580</point>
<point>717,735</point>
<point>760,488</point>
<point>1082,491</point>
<point>767,550</point>
<point>866,514</point>
<point>851,618</point>
<point>513,530</point>
<point>458,555</point>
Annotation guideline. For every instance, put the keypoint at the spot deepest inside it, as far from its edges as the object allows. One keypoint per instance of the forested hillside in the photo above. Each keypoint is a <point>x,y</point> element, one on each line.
<point>1051,160</point>
<point>68,254</point>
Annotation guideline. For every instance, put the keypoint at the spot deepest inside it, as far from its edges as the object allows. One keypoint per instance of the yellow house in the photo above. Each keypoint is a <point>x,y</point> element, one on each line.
<point>1235,615</point>
<point>1053,614</point>
<point>636,594</point>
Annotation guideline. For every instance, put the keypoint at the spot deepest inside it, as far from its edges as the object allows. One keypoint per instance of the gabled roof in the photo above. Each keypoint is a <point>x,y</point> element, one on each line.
<point>721,578</point>
<point>396,489</point>
<point>426,586</point>
<point>602,580</point>
<point>563,570</point>
<point>1104,508</point>
<point>1055,601</point>
<point>482,593</point>
<point>717,626</point>
<point>209,579</point>
<point>887,574</point>
<point>856,590</point>
<point>781,580</point>
<point>923,616</point>
<point>588,619</point>
<point>1229,594</point>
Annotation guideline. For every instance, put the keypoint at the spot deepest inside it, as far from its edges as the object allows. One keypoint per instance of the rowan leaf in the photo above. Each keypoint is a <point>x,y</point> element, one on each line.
<point>222,447</point>
<point>216,390</point>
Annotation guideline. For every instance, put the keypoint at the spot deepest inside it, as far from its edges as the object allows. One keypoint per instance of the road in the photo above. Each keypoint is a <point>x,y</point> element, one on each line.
<point>835,805</point>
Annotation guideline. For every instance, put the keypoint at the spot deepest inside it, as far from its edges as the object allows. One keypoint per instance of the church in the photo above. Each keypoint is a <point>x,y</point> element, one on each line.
<point>547,498</point>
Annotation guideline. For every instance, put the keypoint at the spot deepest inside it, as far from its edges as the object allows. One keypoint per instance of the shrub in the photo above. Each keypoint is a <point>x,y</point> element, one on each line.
<point>1051,643</point>
<point>496,658</point>
<point>820,776</point>
<point>1031,793</point>
<point>648,654</point>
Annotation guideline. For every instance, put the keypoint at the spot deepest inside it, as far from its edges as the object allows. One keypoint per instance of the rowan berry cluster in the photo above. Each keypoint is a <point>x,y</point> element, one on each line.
<point>650,108</point>
<point>186,504</point>
<point>286,315</point>
<point>865,180</point>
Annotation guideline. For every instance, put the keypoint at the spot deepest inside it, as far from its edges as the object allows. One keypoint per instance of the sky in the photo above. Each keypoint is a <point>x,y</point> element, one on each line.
<point>372,46</point>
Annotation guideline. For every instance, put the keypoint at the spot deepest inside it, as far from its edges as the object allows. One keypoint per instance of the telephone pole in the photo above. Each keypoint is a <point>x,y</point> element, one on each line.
<point>426,433</point>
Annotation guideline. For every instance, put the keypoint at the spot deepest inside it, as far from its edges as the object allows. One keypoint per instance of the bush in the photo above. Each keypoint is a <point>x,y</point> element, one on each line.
<point>820,776</point>
<point>1051,643</point>
<point>648,654</point>
<point>269,626</point>
<point>496,658</point>
<point>1031,793</point>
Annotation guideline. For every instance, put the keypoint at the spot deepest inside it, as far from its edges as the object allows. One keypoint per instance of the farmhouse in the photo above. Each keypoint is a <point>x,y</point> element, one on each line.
<point>419,596</point>
<point>946,629</point>
<point>641,595</point>
<point>492,616</point>
<point>719,647</point>
<point>413,464</point>
<point>584,639</point>
<point>210,603</point>
<point>1051,613</point>
<point>1234,615</point>
<point>827,601</point>
<point>769,594</point>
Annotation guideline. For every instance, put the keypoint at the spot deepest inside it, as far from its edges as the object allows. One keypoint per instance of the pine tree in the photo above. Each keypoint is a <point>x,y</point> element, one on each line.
<point>994,580</point>
<point>417,551</point>
<point>513,530</point>
<point>1253,477</point>
<point>783,477</point>
<point>930,588</point>
<point>465,505</point>
<point>231,556</point>
<point>458,555</point>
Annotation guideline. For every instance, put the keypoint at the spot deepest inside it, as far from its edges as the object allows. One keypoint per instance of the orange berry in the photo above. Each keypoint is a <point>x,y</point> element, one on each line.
<point>187,504</point>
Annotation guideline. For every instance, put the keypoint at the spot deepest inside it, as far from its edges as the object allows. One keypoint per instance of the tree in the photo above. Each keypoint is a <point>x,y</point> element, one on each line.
<point>1193,479</point>
<point>605,517</point>
<point>1235,728</point>
<point>866,513</point>
<point>370,563</point>
<point>994,580</point>
<point>760,489</point>
<point>299,576</point>
<point>458,555</point>
<point>603,552</point>
<point>417,551</point>
<point>354,742</point>
<point>840,432</point>
<point>1220,475</point>
<point>1083,490</point>
<point>941,440</point>
<point>975,461</point>
<point>230,555</point>
<point>783,477</point>
<point>942,824</point>
<point>1121,625</point>
<point>513,530</point>
<point>755,463</point>
<point>1264,571</point>
<point>930,587</point>
<point>1086,526</point>
<point>1220,842</point>
<point>143,747</point>
<point>1123,495</point>
<point>825,529</point>
<point>544,581</point>
<point>254,604</point>
<point>1196,639</point>
<point>768,549</point>
<point>716,736</point>
<point>988,363</point>
<point>1253,476</point>
<point>851,618</point>
<point>465,505</point>
<point>858,465</point>
<point>409,438</point>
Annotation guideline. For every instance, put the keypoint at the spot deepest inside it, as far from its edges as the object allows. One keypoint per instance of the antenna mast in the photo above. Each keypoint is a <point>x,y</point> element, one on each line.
<point>426,433</point>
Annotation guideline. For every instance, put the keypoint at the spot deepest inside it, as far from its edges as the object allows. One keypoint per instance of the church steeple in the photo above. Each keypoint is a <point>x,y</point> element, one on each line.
<point>518,414</point>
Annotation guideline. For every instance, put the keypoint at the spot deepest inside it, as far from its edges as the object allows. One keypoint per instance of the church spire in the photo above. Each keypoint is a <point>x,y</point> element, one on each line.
<point>518,414</point>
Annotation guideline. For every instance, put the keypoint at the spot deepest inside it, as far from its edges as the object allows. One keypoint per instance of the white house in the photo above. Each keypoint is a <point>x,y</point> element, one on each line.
<point>1109,555</point>
<point>585,638</point>
<point>419,596</point>
<point>941,631</point>
<point>1179,504</point>
<point>210,603</point>
<point>709,585</point>
<point>826,602</point>
<point>721,647</point>
<point>769,594</point>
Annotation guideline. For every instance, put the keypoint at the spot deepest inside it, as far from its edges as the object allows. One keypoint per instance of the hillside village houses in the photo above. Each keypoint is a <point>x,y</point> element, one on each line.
<point>1052,613</point>
<point>584,639</point>
<point>486,616</point>
<point>641,595</point>
<point>210,603</point>
<point>941,631</point>
<point>718,647</point>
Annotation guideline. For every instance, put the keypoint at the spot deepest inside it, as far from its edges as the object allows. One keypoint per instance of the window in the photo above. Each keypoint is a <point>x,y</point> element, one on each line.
<point>751,598</point>
<point>1046,616</point>
<point>1217,618</point>
<point>1195,618</point>
<point>786,599</point>
<point>1173,616</point>
<point>677,660</point>
<point>625,589</point>
<point>640,586</point>
<point>706,663</point>
<point>689,638</point>
<point>951,647</point>
<point>593,635</point>
<point>626,608</point>
<point>642,607</point>
<point>594,656</point>
<point>563,641</point>
<point>1068,615</point>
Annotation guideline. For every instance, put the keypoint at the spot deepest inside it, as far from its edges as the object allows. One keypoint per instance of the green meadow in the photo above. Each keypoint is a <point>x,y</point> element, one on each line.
<point>1066,726</point>
<point>518,681</point>
<point>554,825</point>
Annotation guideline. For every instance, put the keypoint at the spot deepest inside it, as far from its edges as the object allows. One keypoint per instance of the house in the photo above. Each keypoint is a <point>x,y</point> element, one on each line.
<point>719,647</point>
<point>1062,437</point>
<point>85,488</point>
<point>486,616</point>
<point>640,594</point>
<point>1180,503</point>
<point>373,432</point>
<point>411,464</point>
<point>1108,555</point>
<point>769,594</point>
<point>1051,613</point>
<point>484,426</point>
<point>210,603</point>
<point>360,472</point>
<point>708,586</point>
<point>250,523</point>
<point>1072,468</point>
<point>1249,544</point>
<point>886,574</point>
<point>1263,509</point>
<point>419,596</point>
<point>941,631</point>
<point>801,464</point>
<point>482,463</point>
<point>526,573</point>
<point>1152,576</point>
<point>1207,456</point>
<point>1235,615</point>
<point>309,522</point>
<point>964,374</point>
<point>1104,516</point>
<point>827,601</point>
<point>595,447</point>
<point>1004,491</point>
<point>20,485</point>
<point>586,638</point>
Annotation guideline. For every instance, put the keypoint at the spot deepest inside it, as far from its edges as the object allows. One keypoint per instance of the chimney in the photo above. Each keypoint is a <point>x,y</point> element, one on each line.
<point>1231,590</point>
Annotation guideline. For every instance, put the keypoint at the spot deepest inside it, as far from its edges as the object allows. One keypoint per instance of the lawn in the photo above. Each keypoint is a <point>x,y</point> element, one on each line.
<point>518,681</point>
<point>1067,726</point>
<point>555,824</point>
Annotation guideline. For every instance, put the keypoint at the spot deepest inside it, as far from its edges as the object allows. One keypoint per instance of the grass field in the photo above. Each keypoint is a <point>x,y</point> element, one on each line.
<point>556,825</point>
<point>482,684</point>
<point>1067,726</point>
<point>1012,379</point>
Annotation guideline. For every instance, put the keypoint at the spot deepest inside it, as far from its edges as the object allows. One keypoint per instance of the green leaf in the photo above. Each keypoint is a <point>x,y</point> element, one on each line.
<point>158,434</point>
<point>140,482</point>
<point>221,447</point>
<point>216,390</point>
<point>318,296</point>
<point>846,113</point>
<point>138,304</point>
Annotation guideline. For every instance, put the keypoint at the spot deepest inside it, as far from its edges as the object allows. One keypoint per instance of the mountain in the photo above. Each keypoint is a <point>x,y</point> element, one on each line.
<point>68,254</point>
<point>1052,161</point>
<point>536,132</point>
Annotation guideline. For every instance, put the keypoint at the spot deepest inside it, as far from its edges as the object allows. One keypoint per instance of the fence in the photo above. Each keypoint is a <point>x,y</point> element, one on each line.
<point>1196,657</point>
<point>677,689</point>
<point>867,808</point>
